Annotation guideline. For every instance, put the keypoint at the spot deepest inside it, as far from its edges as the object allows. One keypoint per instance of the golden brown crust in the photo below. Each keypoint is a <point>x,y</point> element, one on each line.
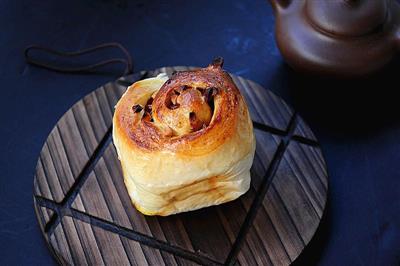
<point>152,136</point>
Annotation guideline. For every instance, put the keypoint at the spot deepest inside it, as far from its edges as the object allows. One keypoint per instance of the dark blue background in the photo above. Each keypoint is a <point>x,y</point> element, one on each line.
<point>358,124</point>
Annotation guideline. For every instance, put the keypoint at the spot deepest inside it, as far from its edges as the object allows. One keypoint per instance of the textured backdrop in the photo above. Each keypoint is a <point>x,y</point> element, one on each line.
<point>358,124</point>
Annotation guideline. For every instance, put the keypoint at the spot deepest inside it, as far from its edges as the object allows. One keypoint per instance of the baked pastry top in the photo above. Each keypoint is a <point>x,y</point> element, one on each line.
<point>184,142</point>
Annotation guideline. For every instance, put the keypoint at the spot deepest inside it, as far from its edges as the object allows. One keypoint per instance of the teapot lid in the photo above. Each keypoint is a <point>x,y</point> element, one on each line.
<point>347,17</point>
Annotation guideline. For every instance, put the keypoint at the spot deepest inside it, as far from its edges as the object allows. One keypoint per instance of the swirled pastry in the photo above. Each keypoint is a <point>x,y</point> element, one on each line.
<point>184,143</point>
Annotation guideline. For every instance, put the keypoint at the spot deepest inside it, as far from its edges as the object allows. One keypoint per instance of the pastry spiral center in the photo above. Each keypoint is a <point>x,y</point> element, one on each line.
<point>189,109</point>
<point>185,103</point>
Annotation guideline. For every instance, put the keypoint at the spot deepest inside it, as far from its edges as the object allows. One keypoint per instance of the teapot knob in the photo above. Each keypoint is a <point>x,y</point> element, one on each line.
<point>278,5</point>
<point>351,2</point>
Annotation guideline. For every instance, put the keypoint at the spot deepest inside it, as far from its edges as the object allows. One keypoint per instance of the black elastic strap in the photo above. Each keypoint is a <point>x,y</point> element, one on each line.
<point>83,69</point>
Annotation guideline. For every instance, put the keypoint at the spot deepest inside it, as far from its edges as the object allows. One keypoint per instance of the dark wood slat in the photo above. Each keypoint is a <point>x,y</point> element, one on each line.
<point>314,155</point>
<point>43,213</point>
<point>105,106</point>
<point>303,130</point>
<point>154,228</point>
<point>168,259</point>
<point>47,213</point>
<point>95,115</point>
<point>153,256</point>
<point>232,227</point>
<point>60,246</point>
<point>206,222</point>
<point>85,128</point>
<point>255,245</point>
<point>284,222</point>
<point>270,243</point>
<point>307,176</point>
<point>174,232</point>
<point>41,186</point>
<point>51,178</point>
<point>60,161</point>
<point>72,238</point>
<point>283,225</point>
<point>295,201</point>
<point>88,240</point>
<point>73,143</point>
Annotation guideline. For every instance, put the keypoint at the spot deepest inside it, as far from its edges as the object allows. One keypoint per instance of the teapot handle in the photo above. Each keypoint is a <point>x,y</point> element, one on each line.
<point>278,5</point>
<point>397,38</point>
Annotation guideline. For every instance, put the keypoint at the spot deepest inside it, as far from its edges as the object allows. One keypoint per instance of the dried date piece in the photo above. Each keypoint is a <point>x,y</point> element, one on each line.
<point>209,94</point>
<point>137,108</point>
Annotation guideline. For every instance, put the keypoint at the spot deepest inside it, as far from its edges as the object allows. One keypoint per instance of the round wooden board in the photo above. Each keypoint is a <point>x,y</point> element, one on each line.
<point>86,215</point>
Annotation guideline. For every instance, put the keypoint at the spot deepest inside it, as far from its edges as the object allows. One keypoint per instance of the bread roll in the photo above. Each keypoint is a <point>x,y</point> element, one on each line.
<point>184,143</point>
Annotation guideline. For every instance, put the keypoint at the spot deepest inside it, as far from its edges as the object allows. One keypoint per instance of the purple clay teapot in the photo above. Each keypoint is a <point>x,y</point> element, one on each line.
<point>339,38</point>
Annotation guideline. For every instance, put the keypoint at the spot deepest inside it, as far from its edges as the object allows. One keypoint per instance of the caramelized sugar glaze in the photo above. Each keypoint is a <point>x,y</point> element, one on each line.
<point>188,107</point>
